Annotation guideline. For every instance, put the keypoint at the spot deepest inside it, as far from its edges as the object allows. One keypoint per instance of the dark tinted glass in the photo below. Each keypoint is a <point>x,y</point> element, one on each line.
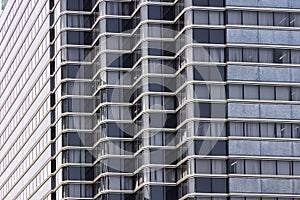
<point>217,36</point>
<point>200,3</point>
<point>219,185</point>
<point>154,12</point>
<point>201,35</point>
<point>203,185</point>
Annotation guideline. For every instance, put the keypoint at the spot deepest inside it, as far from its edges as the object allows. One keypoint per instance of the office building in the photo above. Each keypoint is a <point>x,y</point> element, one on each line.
<point>153,100</point>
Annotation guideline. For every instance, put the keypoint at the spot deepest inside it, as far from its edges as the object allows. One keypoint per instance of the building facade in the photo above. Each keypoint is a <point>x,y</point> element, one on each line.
<point>153,100</point>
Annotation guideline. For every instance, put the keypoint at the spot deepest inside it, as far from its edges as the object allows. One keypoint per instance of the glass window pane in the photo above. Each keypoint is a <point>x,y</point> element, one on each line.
<point>216,18</point>
<point>154,12</point>
<point>236,92</point>
<point>219,185</point>
<point>250,55</point>
<point>296,130</point>
<point>217,36</point>
<point>265,18</point>
<point>251,129</point>
<point>236,129</point>
<point>281,56</point>
<point>267,130</point>
<point>283,130</point>
<point>284,168</point>
<point>295,94</point>
<point>295,57</point>
<point>266,55</point>
<point>202,166</point>
<point>234,17</point>
<point>249,18</point>
<point>295,19</point>
<point>250,92</point>
<point>266,92</point>
<point>201,17</point>
<point>201,92</point>
<point>200,2</point>
<point>281,19</point>
<point>296,168</point>
<point>216,55</point>
<point>235,54</point>
<point>236,167</point>
<point>201,35</point>
<point>218,166</point>
<point>268,167</point>
<point>252,166</point>
<point>282,93</point>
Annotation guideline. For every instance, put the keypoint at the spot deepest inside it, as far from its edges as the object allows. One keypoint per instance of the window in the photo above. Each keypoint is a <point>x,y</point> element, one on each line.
<point>214,185</point>
<point>284,168</point>
<point>236,129</point>
<point>266,92</point>
<point>116,25</point>
<point>215,36</point>
<point>202,166</point>
<point>295,94</point>
<point>201,17</point>
<point>250,55</point>
<point>217,3</point>
<point>281,56</point>
<point>267,130</point>
<point>268,167</point>
<point>201,35</point>
<point>234,17</point>
<point>216,18</point>
<point>281,19</point>
<point>265,18</point>
<point>250,92</point>
<point>252,166</point>
<point>235,92</point>
<point>216,148</point>
<point>235,54</point>
<point>249,18</point>
<point>282,93</point>
<point>283,131</point>
<point>161,12</point>
<point>251,129</point>
<point>266,55</point>
<point>236,166</point>
<point>202,73</point>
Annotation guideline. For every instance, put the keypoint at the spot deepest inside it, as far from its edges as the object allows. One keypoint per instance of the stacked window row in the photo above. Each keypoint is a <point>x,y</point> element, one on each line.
<point>263,92</point>
<point>260,129</point>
